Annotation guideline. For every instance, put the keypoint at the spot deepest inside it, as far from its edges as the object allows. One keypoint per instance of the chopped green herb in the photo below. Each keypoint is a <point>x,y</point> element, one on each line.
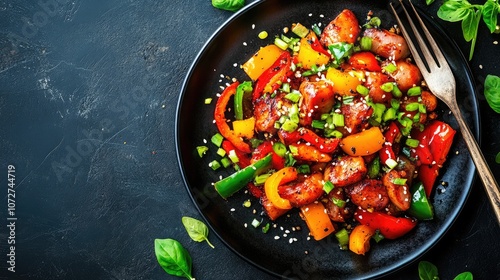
<point>328,187</point>
<point>414,91</point>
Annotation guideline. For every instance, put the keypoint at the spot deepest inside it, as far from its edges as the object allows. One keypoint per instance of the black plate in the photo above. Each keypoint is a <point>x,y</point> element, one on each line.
<point>230,47</point>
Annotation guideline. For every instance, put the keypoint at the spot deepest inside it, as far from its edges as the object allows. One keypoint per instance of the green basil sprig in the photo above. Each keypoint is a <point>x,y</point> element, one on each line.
<point>196,229</point>
<point>470,15</point>
<point>428,271</point>
<point>492,92</point>
<point>173,257</point>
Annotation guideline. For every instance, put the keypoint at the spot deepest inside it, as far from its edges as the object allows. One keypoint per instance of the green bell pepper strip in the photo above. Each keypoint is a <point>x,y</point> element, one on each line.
<point>241,90</point>
<point>420,206</point>
<point>235,182</point>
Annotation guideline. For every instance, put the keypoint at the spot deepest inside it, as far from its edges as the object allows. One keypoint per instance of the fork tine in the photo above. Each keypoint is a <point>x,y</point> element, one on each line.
<point>437,52</point>
<point>419,60</point>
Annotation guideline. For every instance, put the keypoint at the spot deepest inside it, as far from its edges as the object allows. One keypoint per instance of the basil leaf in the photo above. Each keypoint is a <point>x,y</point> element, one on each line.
<point>470,25</point>
<point>427,271</point>
<point>340,51</point>
<point>497,158</point>
<point>428,2</point>
<point>490,14</point>
<point>492,92</point>
<point>196,229</point>
<point>173,258</point>
<point>454,10</point>
<point>464,276</point>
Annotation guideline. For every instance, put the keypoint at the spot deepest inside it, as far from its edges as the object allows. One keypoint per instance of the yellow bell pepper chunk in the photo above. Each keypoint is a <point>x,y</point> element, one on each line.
<point>261,61</point>
<point>244,128</point>
<point>309,57</point>
<point>364,143</point>
<point>344,82</point>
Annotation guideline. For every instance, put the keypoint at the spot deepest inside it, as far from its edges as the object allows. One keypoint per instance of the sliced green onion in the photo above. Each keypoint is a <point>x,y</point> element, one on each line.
<point>293,150</point>
<point>214,164</point>
<point>373,22</point>
<point>233,157</point>
<point>226,162</point>
<point>410,107</point>
<point>328,187</point>
<point>318,124</point>
<point>334,134</point>
<point>202,150</point>
<point>361,89</point>
<point>289,126</point>
<point>396,92</point>
<point>265,228</point>
<point>338,119</point>
<point>300,30</point>
<point>414,91</point>
<point>390,68</point>
<point>316,29</point>
<point>422,109</point>
<point>399,181</point>
<point>387,87</point>
<point>293,96</point>
<point>279,148</point>
<point>365,43</point>
<point>217,139</point>
<point>391,163</point>
<point>208,100</point>
<point>221,152</point>
<point>348,99</point>
<point>410,142</point>
<point>339,202</point>
<point>389,114</point>
<point>395,103</point>
<point>378,112</point>
<point>261,179</point>
<point>256,223</point>
<point>285,87</point>
<point>280,43</point>
<point>343,238</point>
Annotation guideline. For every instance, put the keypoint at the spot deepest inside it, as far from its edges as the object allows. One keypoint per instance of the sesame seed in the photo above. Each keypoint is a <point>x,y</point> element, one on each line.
<point>276,237</point>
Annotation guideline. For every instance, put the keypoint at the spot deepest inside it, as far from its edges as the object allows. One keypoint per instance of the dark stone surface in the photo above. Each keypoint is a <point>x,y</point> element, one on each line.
<point>88,91</point>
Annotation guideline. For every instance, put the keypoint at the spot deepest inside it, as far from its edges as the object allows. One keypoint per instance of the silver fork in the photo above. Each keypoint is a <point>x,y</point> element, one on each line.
<point>440,80</point>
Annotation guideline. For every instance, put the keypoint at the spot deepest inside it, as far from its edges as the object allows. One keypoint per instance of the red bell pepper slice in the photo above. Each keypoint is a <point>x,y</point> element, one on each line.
<point>324,145</point>
<point>220,119</point>
<point>279,71</point>
<point>391,136</point>
<point>316,45</point>
<point>437,138</point>
<point>364,61</point>
<point>389,226</point>
<point>243,158</point>
<point>264,149</point>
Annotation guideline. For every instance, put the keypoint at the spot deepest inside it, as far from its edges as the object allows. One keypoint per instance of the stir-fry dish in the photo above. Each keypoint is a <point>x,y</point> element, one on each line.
<point>336,122</point>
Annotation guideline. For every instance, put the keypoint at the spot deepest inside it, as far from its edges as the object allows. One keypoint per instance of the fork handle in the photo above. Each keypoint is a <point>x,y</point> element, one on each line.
<point>489,182</point>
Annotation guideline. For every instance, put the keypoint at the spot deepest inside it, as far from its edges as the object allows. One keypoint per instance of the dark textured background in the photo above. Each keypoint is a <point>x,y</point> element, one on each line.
<point>88,91</point>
